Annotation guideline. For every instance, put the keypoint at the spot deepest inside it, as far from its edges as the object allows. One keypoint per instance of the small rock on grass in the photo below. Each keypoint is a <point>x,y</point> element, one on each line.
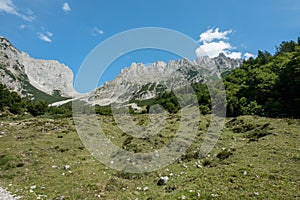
<point>146,188</point>
<point>162,180</point>
<point>67,167</point>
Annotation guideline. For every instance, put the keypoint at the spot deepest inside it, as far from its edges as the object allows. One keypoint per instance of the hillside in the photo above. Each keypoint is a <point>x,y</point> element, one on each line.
<point>268,85</point>
<point>255,158</point>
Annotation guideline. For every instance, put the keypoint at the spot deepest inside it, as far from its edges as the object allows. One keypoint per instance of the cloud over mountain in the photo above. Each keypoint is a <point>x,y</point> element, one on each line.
<point>213,42</point>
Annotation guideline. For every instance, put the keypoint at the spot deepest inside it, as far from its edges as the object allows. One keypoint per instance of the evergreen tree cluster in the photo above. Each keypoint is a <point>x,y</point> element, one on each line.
<point>11,100</point>
<point>13,103</point>
<point>268,85</point>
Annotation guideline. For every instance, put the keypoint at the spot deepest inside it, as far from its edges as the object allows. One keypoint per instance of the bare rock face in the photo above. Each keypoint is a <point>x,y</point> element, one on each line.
<point>18,71</point>
<point>145,82</point>
<point>49,75</point>
<point>10,69</point>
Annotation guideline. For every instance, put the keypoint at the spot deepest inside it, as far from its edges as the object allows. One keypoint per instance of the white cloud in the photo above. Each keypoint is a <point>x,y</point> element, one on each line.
<point>234,55</point>
<point>214,42</point>
<point>8,7</point>
<point>49,34</point>
<point>66,7</point>
<point>213,49</point>
<point>96,31</point>
<point>26,26</point>
<point>45,36</point>
<point>211,35</point>
<point>248,55</point>
<point>29,12</point>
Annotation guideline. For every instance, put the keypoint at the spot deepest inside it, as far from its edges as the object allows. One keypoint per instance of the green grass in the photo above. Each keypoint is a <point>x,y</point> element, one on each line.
<point>255,158</point>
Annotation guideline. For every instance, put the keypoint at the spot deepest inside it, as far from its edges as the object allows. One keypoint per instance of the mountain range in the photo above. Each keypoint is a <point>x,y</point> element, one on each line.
<point>50,80</point>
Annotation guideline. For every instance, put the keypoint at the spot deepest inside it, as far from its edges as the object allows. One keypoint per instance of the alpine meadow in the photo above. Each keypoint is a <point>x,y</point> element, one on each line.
<point>149,100</point>
<point>257,155</point>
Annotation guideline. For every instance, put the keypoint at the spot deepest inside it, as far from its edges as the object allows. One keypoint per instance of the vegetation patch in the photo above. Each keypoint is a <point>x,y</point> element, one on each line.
<point>259,132</point>
<point>224,154</point>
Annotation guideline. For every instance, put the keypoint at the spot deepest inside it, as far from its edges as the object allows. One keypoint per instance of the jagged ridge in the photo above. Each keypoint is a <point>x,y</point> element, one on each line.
<point>144,82</point>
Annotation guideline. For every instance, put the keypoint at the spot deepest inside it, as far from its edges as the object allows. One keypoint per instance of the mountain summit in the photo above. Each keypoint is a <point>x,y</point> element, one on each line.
<point>31,77</point>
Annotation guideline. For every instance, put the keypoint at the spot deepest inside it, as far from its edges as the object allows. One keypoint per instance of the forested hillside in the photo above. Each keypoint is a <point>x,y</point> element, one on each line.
<point>268,85</point>
<point>11,102</point>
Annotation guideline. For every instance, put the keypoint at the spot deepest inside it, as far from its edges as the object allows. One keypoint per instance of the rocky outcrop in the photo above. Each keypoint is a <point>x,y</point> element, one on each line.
<point>18,70</point>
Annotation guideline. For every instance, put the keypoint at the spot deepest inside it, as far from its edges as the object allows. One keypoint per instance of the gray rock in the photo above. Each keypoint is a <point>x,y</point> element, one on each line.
<point>162,180</point>
<point>67,167</point>
<point>60,198</point>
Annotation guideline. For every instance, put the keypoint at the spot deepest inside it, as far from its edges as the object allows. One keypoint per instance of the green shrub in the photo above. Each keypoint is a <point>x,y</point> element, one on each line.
<point>38,108</point>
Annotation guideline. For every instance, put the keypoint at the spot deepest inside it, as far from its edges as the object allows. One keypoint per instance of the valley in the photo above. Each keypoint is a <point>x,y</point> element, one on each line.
<point>43,154</point>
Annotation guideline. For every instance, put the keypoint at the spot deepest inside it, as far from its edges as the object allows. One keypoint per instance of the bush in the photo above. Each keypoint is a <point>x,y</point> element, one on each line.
<point>103,110</point>
<point>38,108</point>
<point>204,109</point>
<point>16,108</point>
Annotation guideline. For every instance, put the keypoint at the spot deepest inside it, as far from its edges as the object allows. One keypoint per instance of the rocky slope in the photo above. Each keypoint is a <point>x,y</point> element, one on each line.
<point>27,76</point>
<point>144,82</point>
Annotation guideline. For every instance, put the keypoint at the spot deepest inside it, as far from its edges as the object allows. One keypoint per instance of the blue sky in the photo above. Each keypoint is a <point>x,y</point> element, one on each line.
<point>68,30</point>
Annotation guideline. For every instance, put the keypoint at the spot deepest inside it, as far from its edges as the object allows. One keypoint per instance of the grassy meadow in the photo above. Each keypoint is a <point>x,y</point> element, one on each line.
<point>254,158</point>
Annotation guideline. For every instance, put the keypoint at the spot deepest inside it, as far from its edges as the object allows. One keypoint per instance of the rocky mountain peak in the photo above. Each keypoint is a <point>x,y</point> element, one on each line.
<point>19,71</point>
<point>4,43</point>
<point>140,81</point>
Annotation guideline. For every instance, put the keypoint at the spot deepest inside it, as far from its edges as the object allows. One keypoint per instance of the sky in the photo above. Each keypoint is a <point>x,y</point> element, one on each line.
<point>68,31</point>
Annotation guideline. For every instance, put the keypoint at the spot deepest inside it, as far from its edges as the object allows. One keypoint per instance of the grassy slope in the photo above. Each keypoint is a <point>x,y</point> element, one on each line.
<point>260,166</point>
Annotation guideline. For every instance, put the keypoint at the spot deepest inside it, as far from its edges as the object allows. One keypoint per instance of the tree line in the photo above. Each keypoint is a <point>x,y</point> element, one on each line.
<point>10,101</point>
